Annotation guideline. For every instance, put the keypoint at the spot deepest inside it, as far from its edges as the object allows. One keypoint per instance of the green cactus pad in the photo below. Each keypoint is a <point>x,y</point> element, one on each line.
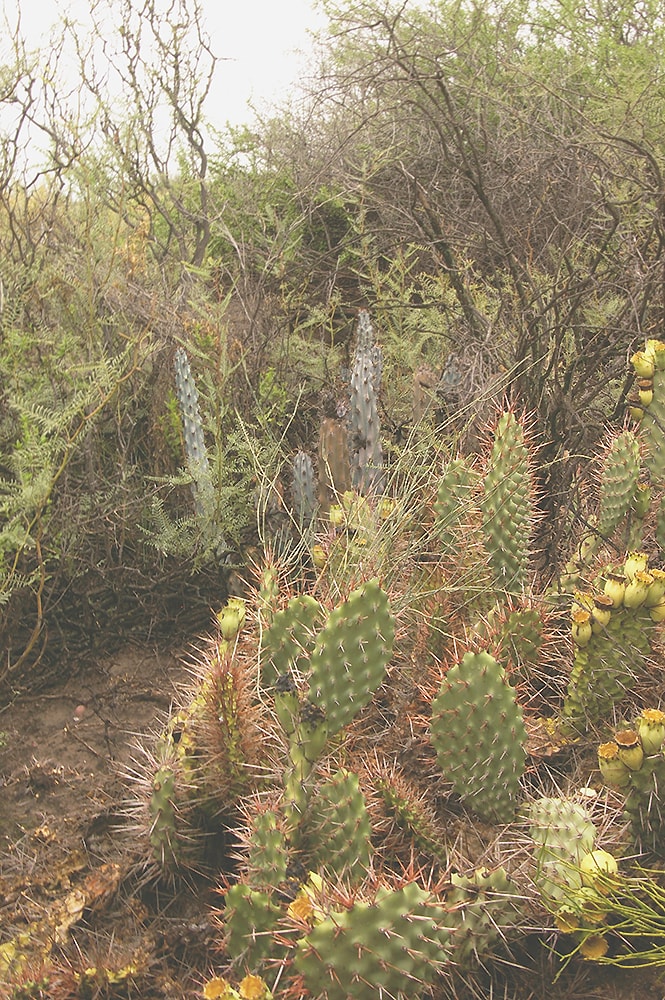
<point>250,920</point>
<point>290,638</point>
<point>478,733</point>
<point>390,947</point>
<point>618,481</point>
<point>351,654</point>
<point>651,431</point>
<point>562,832</point>
<point>338,828</point>
<point>267,858</point>
<point>507,505</point>
<point>607,667</point>
<point>483,904</point>
<point>454,502</point>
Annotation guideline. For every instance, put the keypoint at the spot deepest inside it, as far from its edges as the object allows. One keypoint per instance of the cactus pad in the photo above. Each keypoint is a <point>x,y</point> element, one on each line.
<point>478,734</point>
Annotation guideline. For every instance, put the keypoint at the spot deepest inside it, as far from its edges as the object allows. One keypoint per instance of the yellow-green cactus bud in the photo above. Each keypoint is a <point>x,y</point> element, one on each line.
<point>612,768</point>
<point>651,730</point>
<point>658,612</point>
<point>602,611</point>
<point>630,749</point>
<point>636,562</point>
<point>645,391</point>
<point>319,557</point>
<point>231,618</point>
<point>615,587</point>
<point>581,626</point>
<point>597,867</point>
<point>635,408</point>
<point>637,590</point>
<point>643,364</point>
<point>655,349</point>
<point>656,591</point>
<point>337,516</point>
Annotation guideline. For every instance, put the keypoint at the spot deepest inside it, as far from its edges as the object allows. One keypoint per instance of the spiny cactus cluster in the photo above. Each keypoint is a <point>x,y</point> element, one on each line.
<point>354,734</point>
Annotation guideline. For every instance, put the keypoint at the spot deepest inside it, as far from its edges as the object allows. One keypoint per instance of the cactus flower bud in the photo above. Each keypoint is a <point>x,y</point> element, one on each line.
<point>319,557</point>
<point>615,587</point>
<point>643,364</point>
<point>655,349</point>
<point>656,591</point>
<point>657,612</point>
<point>645,391</point>
<point>636,562</point>
<point>231,618</point>
<point>637,590</point>
<point>581,626</point>
<point>651,730</point>
<point>602,611</point>
<point>630,749</point>
<point>612,768</point>
<point>635,408</point>
<point>598,866</point>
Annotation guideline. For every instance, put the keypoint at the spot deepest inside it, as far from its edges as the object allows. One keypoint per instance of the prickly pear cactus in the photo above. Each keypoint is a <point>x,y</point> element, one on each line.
<point>507,505</point>
<point>485,905</point>
<point>618,481</point>
<point>650,407</point>
<point>351,654</point>
<point>454,502</point>
<point>251,918</point>
<point>391,946</point>
<point>337,827</point>
<point>562,833</point>
<point>290,638</point>
<point>478,733</point>
<point>634,762</point>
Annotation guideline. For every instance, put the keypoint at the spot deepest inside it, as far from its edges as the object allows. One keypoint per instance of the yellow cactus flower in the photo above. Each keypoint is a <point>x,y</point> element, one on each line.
<point>594,947</point>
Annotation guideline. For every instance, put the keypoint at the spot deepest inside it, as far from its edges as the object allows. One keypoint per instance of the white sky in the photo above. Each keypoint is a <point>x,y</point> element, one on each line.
<point>261,45</point>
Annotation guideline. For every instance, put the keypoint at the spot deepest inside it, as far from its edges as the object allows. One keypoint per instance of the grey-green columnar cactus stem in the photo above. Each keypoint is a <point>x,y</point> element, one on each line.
<point>192,427</point>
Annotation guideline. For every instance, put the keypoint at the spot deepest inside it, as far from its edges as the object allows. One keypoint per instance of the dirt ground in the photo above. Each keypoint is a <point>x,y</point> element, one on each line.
<point>76,918</point>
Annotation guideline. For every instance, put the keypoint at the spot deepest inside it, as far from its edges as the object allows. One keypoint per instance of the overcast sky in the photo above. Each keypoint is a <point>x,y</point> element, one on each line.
<point>256,41</point>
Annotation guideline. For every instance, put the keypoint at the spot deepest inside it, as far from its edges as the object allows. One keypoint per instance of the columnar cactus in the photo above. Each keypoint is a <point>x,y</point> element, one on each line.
<point>648,406</point>
<point>507,505</point>
<point>365,426</point>
<point>192,425</point>
<point>478,733</point>
<point>303,489</point>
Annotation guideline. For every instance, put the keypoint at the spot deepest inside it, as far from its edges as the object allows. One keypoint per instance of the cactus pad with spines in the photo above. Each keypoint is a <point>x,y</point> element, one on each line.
<point>390,946</point>
<point>351,654</point>
<point>562,833</point>
<point>478,733</point>
<point>337,827</point>
<point>290,638</point>
<point>250,920</point>
<point>607,666</point>
<point>454,501</point>
<point>507,505</point>
<point>483,904</point>
<point>618,481</point>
